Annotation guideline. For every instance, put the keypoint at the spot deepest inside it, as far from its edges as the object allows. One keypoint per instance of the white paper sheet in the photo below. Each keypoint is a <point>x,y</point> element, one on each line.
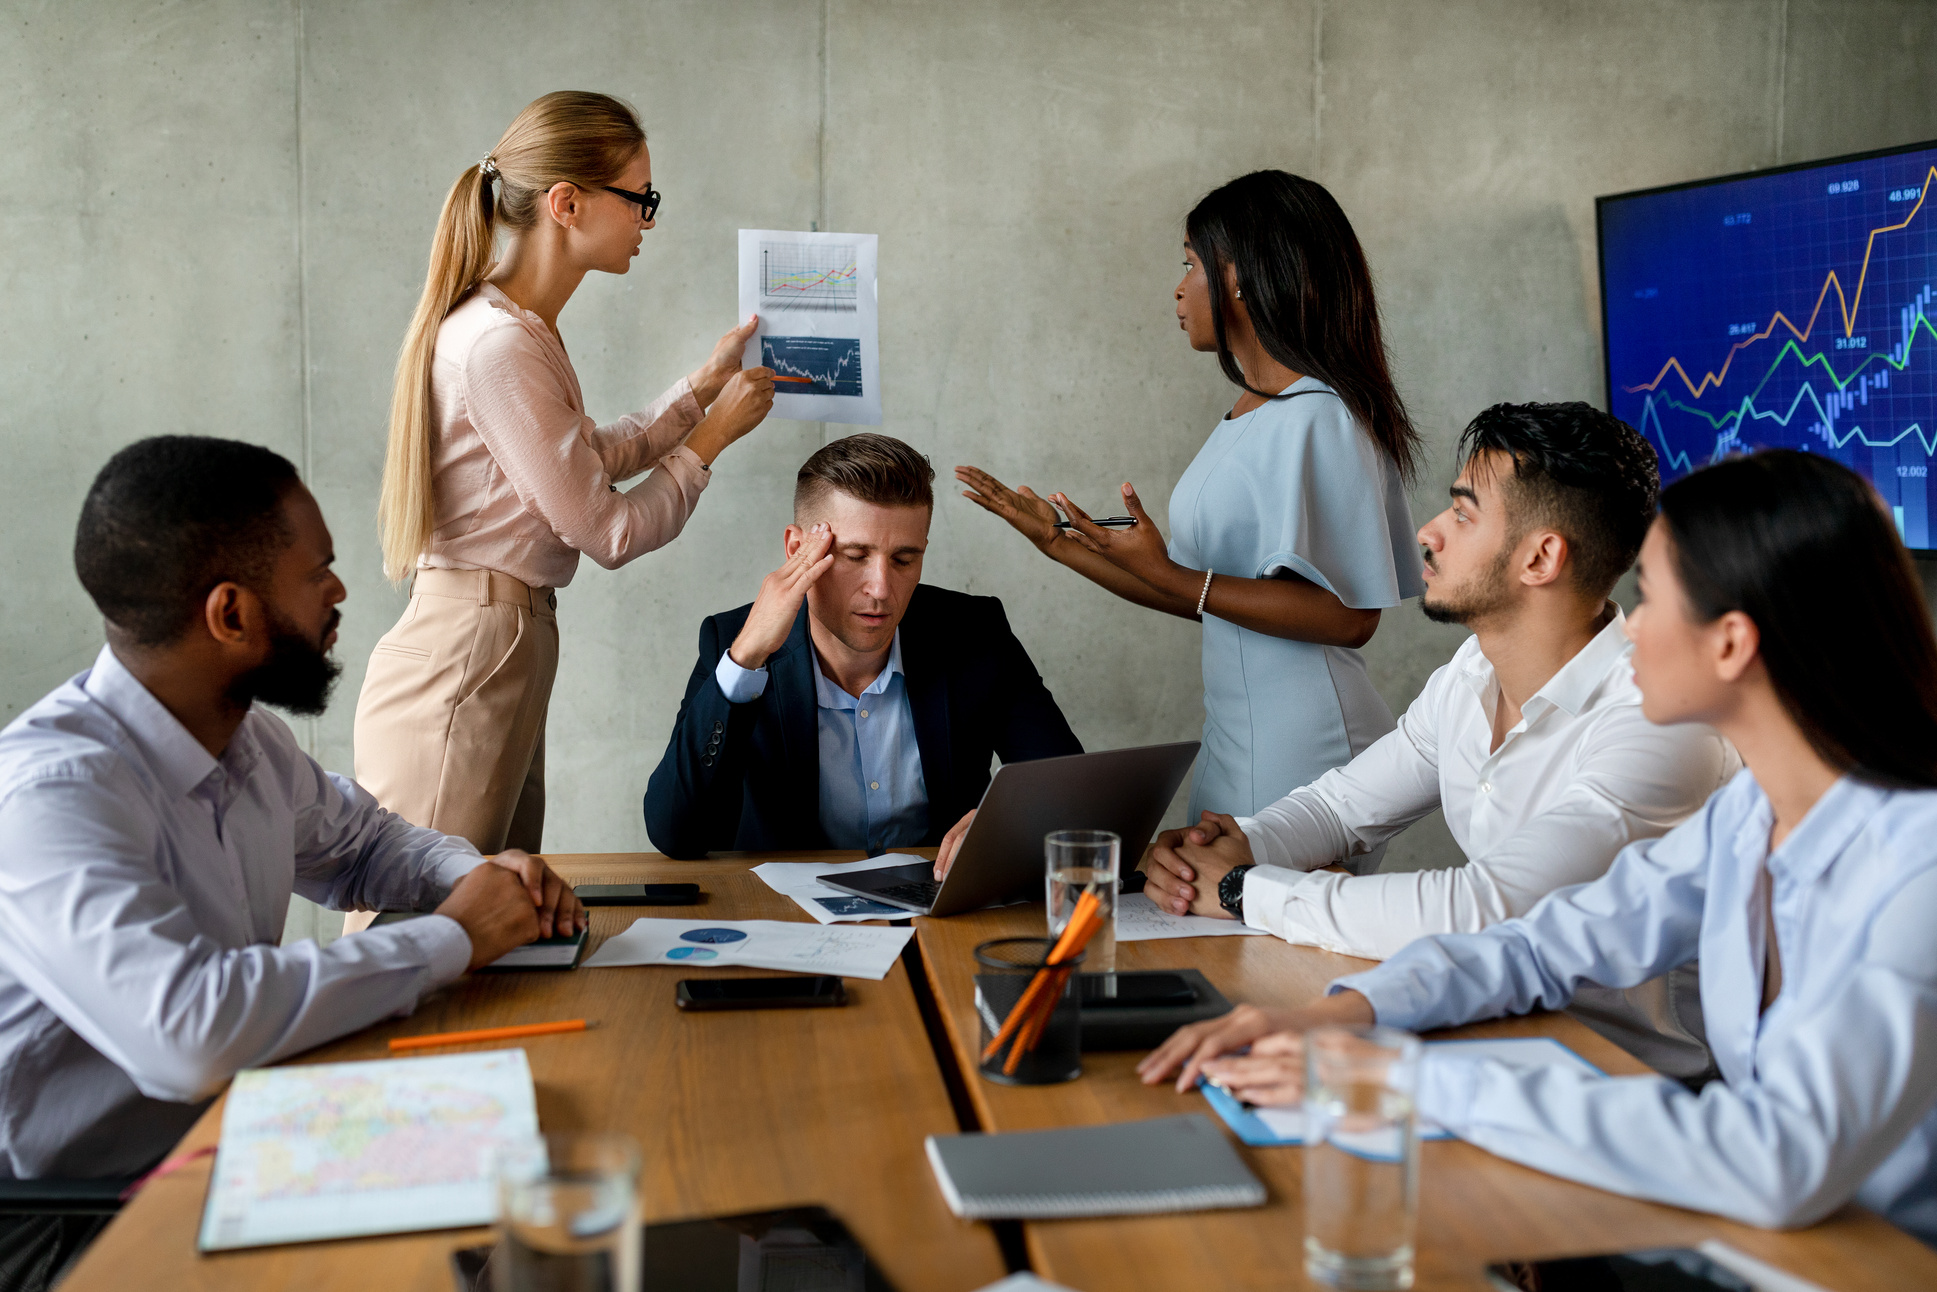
<point>847,950</point>
<point>819,319</point>
<point>338,1150</point>
<point>800,880</point>
<point>1138,919</point>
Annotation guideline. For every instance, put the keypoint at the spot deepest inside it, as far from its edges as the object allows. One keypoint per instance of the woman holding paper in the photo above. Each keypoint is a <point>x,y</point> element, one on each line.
<point>1290,531</point>
<point>496,481</point>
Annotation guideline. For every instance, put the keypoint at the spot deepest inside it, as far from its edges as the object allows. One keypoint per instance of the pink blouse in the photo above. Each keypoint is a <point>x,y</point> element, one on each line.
<point>523,479</point>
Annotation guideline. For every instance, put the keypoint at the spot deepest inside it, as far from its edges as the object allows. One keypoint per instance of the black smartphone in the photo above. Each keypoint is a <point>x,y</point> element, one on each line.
<point>1135,990</point>
<point>1663,1269</point>
<point>794,991</point>
<point>637,894</point>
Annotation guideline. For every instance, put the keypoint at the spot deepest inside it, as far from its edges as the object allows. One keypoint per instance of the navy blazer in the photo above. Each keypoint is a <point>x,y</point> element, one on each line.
<point>747,776</point>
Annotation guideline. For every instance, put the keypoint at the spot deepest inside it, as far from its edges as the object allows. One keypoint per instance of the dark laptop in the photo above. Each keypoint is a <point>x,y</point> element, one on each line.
<point>1122,790</point>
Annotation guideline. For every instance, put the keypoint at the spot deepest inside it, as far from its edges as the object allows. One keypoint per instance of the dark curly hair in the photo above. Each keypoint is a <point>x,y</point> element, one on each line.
<point>168,519</point>
<point>1804,547</point>
<point>1586,473</point>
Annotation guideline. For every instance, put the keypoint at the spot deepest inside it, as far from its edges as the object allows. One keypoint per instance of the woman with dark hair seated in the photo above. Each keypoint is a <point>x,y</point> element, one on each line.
<point>1783,610</point>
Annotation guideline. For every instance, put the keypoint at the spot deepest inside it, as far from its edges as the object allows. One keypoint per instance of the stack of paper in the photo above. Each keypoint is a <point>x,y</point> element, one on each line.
<point>761,944</point>
<point>338,1150</point>
<point>801,880</point>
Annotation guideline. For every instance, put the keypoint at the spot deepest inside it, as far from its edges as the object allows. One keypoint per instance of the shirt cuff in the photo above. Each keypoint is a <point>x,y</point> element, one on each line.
<point>687,465</point>
<point>1267,891</point>
<point>1391,989</point>
<point>739,684</point>
<point>443,944</point>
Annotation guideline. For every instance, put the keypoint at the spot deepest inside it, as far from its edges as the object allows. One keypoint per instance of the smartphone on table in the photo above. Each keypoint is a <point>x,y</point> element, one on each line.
<point>637,894</point>
<point>789,991</point>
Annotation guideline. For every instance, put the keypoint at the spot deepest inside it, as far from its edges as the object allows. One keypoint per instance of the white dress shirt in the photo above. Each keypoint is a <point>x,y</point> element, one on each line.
<point>872,794</point>
<point>1827,1096</point>
<point>143,889</point>
<point>1580,776</point>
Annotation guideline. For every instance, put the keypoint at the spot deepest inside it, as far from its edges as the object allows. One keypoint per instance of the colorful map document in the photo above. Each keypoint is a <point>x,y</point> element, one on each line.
<point>341,1150</point>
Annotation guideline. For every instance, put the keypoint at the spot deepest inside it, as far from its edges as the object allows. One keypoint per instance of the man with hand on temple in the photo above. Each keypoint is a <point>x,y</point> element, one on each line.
<point>154,820</point>
<point>1531,739</point>
<point>851,705</point>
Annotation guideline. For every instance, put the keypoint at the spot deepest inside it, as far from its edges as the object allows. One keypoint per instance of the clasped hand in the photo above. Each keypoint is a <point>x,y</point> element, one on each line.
<point>514,899</point>
<point>1182,870</point>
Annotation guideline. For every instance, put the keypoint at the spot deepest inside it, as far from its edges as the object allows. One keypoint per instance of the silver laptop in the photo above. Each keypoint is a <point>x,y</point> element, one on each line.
<point>1122,790</point>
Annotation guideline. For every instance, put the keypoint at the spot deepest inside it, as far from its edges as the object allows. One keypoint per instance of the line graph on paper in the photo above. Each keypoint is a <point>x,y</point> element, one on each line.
<point>1791,309</point>
<point>809,276</point>
<point>832,365</point>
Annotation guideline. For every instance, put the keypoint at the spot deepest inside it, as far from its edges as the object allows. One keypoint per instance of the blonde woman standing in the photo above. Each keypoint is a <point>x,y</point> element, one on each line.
<point>496,481</point>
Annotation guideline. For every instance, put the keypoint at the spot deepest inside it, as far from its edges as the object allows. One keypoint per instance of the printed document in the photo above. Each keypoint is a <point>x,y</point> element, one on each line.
<point>819,322</point>
<point>340,1150</point>
<point>1138,919</point>
<point>801,880</point>
<point>849,951</point>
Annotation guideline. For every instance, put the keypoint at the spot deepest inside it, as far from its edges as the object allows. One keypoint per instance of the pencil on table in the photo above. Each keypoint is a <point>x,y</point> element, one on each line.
<point>486,1034</point>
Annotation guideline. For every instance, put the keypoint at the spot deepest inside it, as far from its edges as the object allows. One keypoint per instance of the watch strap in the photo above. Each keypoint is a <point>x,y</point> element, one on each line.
<point>1230,891</point>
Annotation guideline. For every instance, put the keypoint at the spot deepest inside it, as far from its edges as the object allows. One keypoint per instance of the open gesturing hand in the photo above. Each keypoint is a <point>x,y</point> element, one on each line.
<point>778,605</point>
<point>1138,550</point>
<point>1028,514</point>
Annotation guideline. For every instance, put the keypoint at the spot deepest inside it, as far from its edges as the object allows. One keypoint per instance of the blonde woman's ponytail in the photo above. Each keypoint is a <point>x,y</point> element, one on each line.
<point>460,257</point>
<point>571,136</point>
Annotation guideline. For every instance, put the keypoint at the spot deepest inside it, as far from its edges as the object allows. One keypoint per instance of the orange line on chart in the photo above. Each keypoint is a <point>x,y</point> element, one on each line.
<point>1848,308</point>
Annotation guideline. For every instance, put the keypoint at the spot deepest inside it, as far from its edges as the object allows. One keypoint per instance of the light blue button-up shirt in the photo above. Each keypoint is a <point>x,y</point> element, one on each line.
<point>143,889</point>
<point>872,795</point>
<point>1825,1097</point>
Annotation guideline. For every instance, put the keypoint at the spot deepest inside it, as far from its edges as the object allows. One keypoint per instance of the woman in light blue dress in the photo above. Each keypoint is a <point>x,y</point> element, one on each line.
<point>1289,531</point>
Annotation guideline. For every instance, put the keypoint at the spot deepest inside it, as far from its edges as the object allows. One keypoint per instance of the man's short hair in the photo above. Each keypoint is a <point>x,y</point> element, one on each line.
<point>171,517</point>
<point>870,468</point>
<point>1585,473</point>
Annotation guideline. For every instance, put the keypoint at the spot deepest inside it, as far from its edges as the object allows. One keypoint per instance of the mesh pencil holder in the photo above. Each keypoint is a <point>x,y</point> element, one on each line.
<point>1043,1044</point>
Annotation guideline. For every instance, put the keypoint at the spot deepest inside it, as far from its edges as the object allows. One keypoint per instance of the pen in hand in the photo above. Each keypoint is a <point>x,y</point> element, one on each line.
<point>1107,522</point>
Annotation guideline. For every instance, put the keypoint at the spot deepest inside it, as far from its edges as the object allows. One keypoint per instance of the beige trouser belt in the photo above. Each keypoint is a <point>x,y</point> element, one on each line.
<point>484,587</point>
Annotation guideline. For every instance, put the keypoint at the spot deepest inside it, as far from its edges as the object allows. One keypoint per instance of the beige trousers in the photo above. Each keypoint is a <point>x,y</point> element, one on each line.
<point>450,726</point>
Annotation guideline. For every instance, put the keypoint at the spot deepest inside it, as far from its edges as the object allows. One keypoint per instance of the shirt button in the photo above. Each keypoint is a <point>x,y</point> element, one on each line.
<point>874,785</point>
<point>864,713</point>
<point>1486,787</point>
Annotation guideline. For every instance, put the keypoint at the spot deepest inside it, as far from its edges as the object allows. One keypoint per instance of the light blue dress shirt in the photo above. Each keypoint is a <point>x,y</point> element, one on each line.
<point>143,890</point>
<point>872,795</point>
<point>1825,1097</point>
<point>1295,485</point>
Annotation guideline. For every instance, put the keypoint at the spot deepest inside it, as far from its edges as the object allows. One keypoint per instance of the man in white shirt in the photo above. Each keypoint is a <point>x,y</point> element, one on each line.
<point>154,820</point>
<point>1531,739</point>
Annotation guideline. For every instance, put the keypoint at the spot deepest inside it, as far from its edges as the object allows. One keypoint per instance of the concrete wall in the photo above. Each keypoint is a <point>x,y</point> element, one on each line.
<point>214,218</point>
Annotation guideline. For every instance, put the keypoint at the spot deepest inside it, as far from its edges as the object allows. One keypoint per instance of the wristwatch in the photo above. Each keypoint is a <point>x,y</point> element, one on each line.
<point>1230,891</point>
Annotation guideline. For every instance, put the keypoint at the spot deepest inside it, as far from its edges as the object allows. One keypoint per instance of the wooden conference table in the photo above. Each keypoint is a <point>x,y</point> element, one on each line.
<point>748,1111</point>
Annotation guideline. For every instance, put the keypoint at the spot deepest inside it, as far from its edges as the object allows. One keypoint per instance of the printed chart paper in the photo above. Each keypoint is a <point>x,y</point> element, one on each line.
<point>1268,1127</point>
<point>819,320</point>
<point>849,951</point>
<point>339,1150</point>
<point>1138,919</point>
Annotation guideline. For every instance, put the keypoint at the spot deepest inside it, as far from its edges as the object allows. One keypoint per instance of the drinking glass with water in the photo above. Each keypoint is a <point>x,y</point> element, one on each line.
<point>1361,1156</point>
<point>568,1215</point>
<point>1078,862</point>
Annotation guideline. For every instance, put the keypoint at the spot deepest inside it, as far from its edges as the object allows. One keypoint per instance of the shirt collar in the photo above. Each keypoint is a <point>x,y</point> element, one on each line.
<point>1574,685</point>
<point>1823,833</point>
<point>829,696</point>
<point>177,759</point>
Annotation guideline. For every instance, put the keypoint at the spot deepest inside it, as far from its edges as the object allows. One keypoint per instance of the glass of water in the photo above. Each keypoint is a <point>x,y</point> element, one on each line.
<point>1078,862</point>
<point>568,1215</point>
<point>1361,1156</point>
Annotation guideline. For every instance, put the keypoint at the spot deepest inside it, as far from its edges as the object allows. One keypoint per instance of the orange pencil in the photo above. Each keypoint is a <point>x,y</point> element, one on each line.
<point>805,381</point>
<point>486,1034</point>
<point>1020,1010</point>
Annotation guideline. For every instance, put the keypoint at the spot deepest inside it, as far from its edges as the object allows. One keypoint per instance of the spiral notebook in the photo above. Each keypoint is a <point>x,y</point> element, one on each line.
<point>1166,1164</point>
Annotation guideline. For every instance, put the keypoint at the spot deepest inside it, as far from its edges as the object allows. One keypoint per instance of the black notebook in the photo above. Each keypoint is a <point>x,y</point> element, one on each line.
<point>1166,1164</point>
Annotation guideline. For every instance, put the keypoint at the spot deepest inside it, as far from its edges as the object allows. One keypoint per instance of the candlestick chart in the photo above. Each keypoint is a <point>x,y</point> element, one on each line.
<point>1791,308</point>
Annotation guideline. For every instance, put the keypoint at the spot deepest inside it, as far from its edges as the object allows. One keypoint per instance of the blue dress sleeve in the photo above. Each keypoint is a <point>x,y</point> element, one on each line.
<point>1332,507</point>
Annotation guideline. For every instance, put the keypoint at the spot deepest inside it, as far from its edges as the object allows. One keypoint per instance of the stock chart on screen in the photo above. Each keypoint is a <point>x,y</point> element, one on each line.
<point>1786,308</point>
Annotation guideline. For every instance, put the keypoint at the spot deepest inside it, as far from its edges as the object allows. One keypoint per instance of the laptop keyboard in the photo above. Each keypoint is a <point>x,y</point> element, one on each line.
<point>919,891</point>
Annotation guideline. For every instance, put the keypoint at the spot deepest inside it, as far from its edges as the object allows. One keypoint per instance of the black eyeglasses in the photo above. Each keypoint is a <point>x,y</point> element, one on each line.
<point>647,201</point>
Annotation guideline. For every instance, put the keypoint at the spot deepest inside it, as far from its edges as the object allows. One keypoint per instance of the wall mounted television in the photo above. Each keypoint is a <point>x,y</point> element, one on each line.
<point>1784,308</point>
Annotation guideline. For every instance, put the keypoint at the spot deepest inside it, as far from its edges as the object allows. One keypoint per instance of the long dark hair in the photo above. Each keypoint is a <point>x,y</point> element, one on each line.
<point>1304,277</point>
<point>1801,545</point>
